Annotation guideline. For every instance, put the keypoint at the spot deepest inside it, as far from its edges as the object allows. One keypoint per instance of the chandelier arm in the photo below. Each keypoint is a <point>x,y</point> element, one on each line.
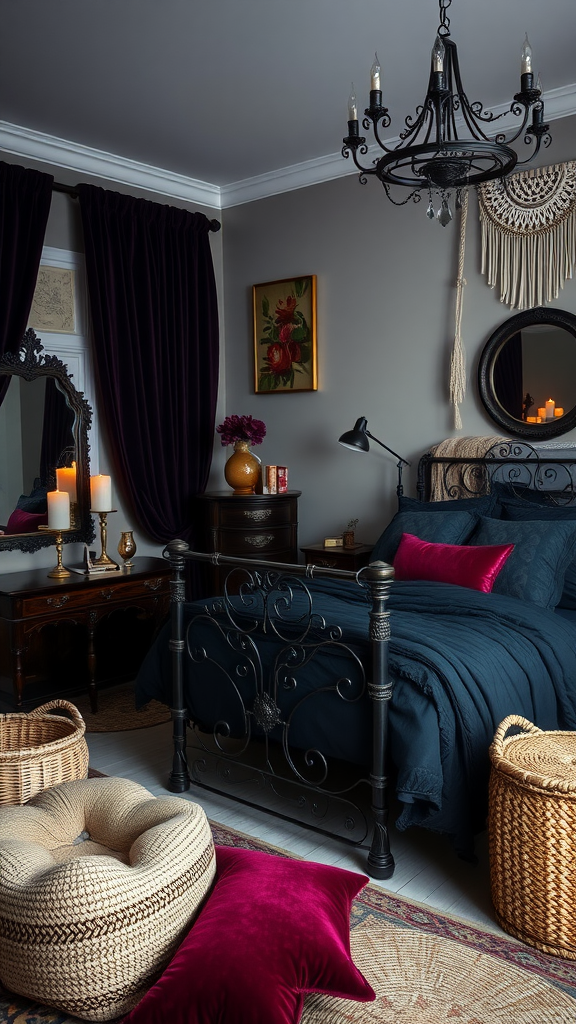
<point>545,139</point>
<point>387,149</point>
<point>412,130</point>
<point>363,170</point>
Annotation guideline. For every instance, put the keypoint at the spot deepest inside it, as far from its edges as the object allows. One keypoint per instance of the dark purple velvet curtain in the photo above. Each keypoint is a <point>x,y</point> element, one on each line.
<point>25,197</point>
<point>154,312</point>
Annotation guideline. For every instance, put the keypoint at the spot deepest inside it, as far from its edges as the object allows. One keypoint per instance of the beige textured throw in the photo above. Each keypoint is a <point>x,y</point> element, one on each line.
<point>459,481</point>
<point>99,883</point>
<point>528,223</point>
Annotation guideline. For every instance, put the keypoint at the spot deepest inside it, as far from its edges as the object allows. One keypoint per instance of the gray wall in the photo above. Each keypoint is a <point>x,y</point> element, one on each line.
<point>386,294</point>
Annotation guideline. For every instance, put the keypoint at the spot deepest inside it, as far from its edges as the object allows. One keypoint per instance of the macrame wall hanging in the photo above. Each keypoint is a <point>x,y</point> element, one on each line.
<point>528,226</point>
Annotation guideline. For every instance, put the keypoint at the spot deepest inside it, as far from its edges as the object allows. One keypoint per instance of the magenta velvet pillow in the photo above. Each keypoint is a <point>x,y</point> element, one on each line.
<point>271,930</point>
<point>25,522</point>
<point>475,567</point>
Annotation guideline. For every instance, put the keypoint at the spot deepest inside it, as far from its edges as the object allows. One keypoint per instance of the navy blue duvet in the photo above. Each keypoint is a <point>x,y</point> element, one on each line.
<point>461,661</point>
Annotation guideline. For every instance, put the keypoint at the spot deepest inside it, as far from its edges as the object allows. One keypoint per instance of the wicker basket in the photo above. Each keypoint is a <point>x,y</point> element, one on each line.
<point>532,835</point>
<point>39,750</point>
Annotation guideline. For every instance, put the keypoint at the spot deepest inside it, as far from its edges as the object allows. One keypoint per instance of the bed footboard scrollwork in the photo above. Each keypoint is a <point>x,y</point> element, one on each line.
<point>261,686</point>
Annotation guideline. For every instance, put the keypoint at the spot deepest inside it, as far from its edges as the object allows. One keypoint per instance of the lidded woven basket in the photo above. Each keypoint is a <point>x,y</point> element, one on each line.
<point>532,835</point>
<point>39,750</point>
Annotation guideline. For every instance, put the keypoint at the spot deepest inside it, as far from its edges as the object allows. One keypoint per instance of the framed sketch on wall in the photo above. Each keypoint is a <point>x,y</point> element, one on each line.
<point>53,307</point>
<point>285,356</point>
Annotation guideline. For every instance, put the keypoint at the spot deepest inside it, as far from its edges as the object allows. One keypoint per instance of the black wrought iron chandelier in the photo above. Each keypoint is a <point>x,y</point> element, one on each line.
<point>433,154</point>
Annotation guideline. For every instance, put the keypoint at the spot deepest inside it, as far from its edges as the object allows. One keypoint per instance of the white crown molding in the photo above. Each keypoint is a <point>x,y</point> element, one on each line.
<point>24,142</point>
<point>559,103</point>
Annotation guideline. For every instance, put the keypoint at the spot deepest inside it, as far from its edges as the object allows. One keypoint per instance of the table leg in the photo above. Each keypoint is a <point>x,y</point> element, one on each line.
<point>92,690</point>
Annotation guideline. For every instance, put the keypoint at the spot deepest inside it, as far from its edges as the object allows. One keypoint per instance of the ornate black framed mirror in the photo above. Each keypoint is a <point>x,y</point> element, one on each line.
<point>44,423</point>
<point>527,374</point>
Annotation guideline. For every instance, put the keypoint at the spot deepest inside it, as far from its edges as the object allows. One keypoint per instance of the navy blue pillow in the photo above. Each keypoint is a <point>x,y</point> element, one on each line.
<point>535,570</point>
<point>481,506</point>
<point>438,527</point>
<point>518,510</point>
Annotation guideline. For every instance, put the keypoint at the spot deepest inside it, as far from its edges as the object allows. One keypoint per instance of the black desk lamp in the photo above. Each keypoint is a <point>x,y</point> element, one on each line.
<point>357,440</point>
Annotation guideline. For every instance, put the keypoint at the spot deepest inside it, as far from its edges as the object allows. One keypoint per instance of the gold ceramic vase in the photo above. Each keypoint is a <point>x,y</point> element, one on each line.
<point>242,469</point>
<point>127,548</point>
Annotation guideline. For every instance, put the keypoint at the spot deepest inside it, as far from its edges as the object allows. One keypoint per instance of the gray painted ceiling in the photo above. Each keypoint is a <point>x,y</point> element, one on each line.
<point>223,90</point>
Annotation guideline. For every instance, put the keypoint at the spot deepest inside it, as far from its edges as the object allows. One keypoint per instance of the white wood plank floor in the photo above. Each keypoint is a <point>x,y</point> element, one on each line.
<point>427,869</point>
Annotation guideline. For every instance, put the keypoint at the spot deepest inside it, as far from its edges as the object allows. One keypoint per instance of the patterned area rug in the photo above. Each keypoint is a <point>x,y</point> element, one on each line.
<point>117,711</point>
<point>426,968</point>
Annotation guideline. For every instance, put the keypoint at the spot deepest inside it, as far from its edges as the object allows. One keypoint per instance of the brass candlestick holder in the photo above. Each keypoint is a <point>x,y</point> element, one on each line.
<point>103,562</point>
<point>59,572</point>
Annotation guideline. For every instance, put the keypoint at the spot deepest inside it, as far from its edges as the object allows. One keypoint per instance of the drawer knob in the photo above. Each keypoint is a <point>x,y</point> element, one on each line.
<point>153,584</point>
<point>261,540</point>
<point>258,514</point>
<point>58,602</point>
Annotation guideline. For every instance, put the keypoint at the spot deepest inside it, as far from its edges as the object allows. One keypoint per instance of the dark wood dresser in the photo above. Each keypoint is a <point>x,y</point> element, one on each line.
<point>248,525</point>
<point>60,636</point>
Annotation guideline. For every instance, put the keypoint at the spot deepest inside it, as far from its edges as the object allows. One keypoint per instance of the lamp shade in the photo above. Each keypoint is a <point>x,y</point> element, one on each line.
<point>356,438</point>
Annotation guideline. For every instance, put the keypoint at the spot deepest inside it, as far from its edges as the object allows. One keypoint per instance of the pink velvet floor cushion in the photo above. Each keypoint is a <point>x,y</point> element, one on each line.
<point>271,930</point>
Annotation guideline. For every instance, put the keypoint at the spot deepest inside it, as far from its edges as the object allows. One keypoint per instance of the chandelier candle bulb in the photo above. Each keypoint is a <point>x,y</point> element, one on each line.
<point>100,493</point>
<point>438,53</point>
<point>66,480</point>
<point>375,75</point>
<point>526,57</point>
<point>58,510</point>
<point>352,105</point>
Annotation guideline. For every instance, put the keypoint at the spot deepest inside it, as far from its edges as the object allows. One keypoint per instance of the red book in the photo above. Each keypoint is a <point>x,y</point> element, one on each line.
<point>282,478</point>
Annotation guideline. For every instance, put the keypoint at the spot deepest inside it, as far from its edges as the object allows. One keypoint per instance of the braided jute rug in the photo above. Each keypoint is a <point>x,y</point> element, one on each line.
<point>117,711</point>
<point>426,968</point>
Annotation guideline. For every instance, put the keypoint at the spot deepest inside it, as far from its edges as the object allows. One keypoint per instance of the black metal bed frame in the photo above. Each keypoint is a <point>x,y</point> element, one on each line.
<point>301,786</point>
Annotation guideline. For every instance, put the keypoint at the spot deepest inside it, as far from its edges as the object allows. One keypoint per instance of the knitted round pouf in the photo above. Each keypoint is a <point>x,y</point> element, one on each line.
<point>99,883</point>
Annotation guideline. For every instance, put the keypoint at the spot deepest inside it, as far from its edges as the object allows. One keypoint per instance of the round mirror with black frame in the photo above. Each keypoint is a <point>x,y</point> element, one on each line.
<point>527,374</point>
<point>44,423</point>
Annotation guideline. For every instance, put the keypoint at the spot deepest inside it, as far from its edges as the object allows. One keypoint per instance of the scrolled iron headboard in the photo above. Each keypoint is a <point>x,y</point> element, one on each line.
<point>514,463</point>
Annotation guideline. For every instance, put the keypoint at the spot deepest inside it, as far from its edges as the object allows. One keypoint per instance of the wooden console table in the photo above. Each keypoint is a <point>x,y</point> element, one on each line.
<point>57,636</point>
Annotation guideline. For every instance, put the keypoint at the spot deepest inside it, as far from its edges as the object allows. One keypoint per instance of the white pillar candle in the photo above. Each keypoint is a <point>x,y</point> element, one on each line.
<point>58,510</point>
<point>66,480</point>
<point>100,493</point>
<point>550,406</point>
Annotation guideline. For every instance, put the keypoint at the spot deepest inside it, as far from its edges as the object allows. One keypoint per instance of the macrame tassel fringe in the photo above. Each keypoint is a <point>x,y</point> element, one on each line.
<point>529,234</point>
<point>457,358</point>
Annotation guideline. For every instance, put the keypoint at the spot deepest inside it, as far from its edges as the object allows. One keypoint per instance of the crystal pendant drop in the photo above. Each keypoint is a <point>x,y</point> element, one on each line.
<point>444,213</point>
<point>430,211</point>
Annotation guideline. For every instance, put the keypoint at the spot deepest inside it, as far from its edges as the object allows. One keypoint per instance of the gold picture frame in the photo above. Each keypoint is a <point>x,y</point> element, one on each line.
<point>285,347</point>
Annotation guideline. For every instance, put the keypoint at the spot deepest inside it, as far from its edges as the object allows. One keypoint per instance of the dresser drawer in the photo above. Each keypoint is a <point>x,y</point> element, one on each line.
<point>252,542</point>
<point>238,517</point>
<point>95,592</point>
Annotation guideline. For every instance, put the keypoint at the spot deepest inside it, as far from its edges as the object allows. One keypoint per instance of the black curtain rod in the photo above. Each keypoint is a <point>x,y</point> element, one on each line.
<point>70,190</point>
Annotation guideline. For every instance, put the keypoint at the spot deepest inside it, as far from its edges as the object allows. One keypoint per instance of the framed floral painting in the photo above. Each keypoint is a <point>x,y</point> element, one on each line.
<point>285,335</point>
